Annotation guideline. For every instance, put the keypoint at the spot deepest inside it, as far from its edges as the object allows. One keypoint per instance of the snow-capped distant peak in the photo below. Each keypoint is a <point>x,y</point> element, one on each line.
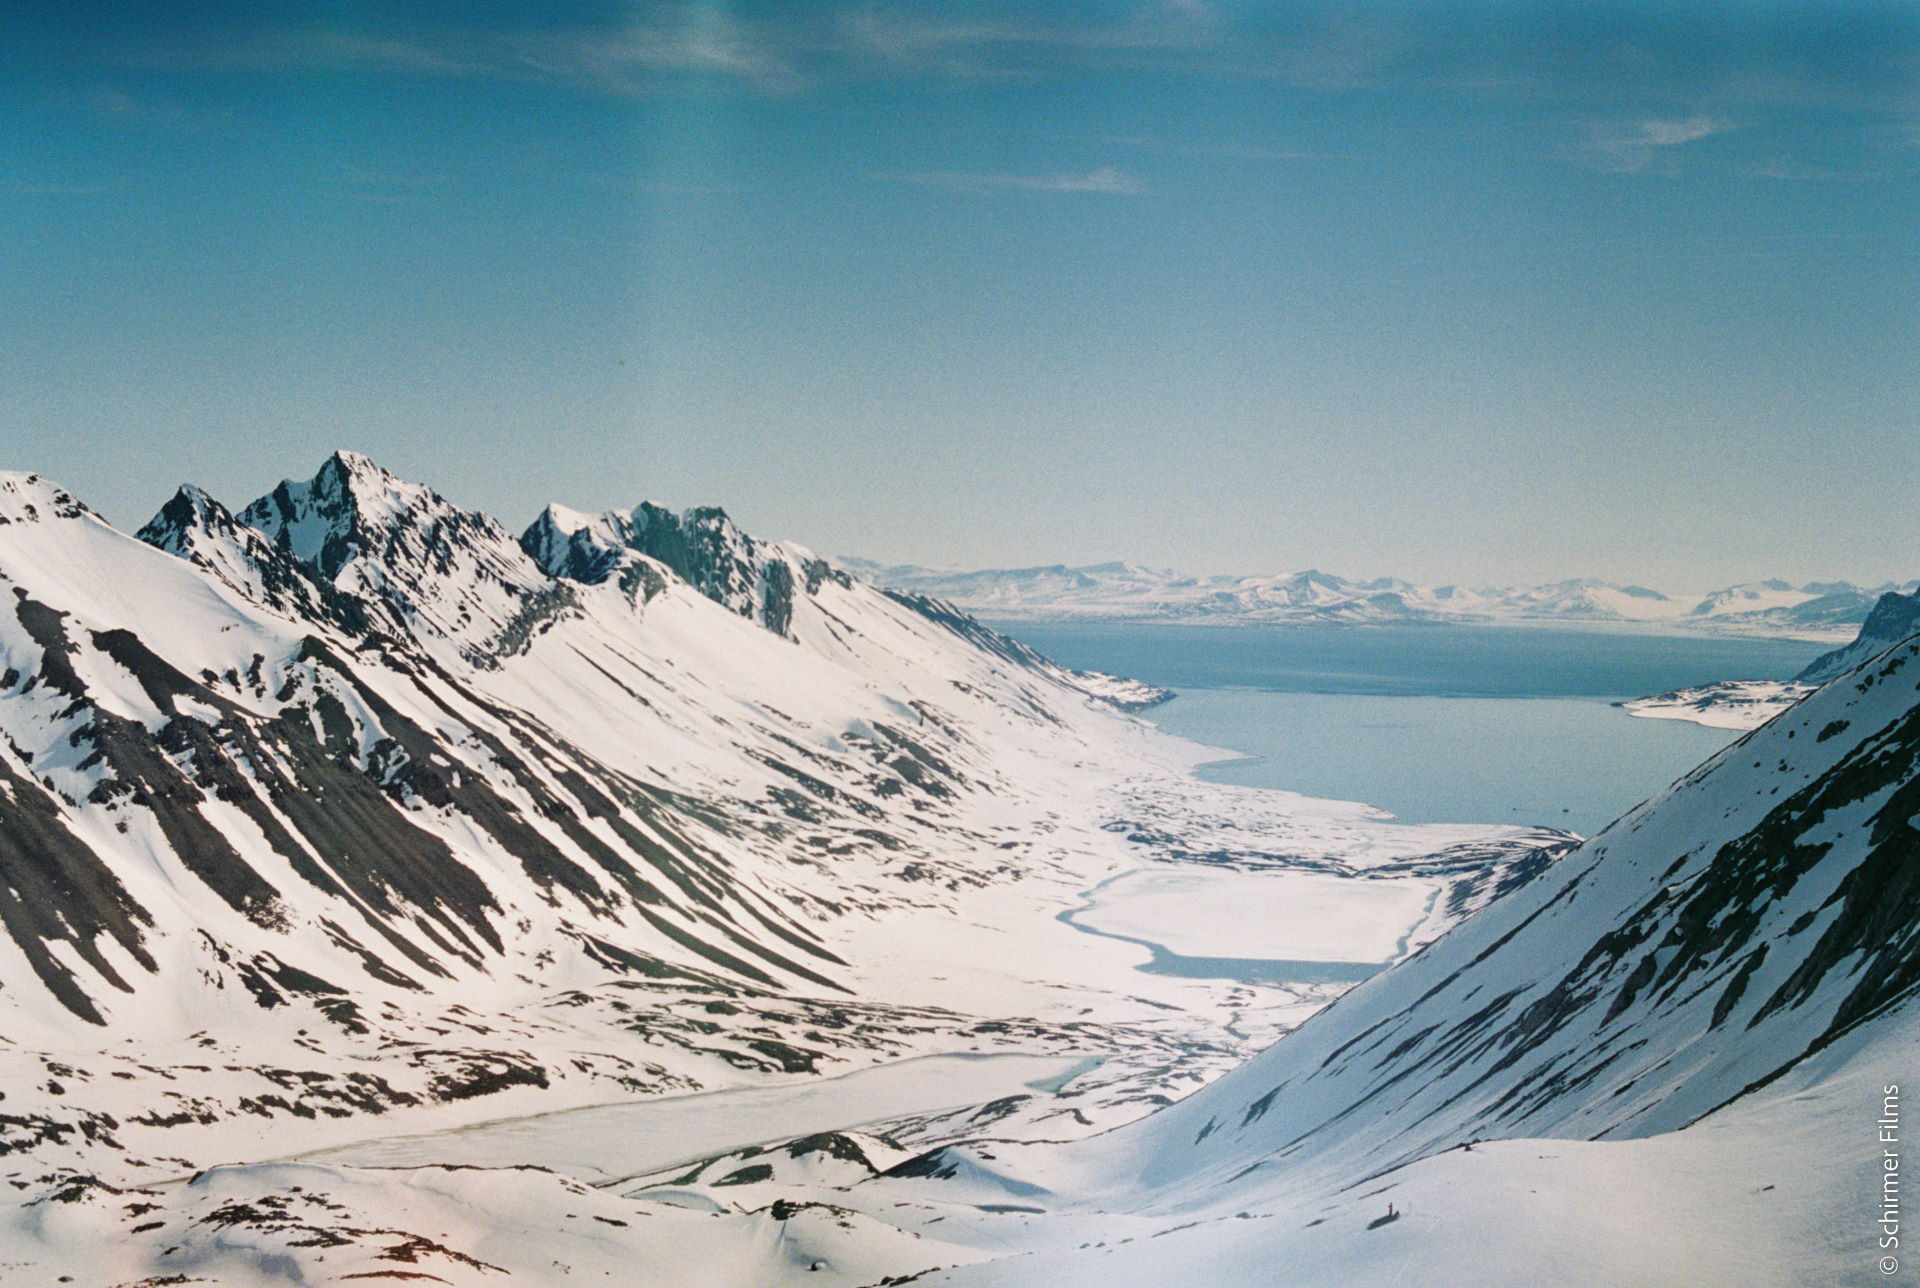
<point>1135,592</point>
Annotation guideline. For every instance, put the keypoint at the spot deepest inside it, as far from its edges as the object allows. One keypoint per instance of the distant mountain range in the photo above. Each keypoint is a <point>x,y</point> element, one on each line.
<point>1132,592</point>
<point>1748,704</point>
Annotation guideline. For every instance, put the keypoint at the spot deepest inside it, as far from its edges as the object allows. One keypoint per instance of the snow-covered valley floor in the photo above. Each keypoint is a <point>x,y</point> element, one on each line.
<point>984,1012</point>
<point>1277,914</point>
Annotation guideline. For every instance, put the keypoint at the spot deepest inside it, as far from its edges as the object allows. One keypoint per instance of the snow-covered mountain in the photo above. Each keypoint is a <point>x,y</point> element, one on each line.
<point>354,756</point>
<point>1812,605</point>
<point>1131,592</point>
<point>351,805</point>
<point>330,728</point>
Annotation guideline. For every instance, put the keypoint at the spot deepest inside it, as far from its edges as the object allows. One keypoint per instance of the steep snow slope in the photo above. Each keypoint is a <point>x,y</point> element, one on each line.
<point>1701,945</point>
<point>319,805</point>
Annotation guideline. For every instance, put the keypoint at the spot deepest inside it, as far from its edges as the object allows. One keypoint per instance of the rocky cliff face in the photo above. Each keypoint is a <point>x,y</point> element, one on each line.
<point>1894,618</point>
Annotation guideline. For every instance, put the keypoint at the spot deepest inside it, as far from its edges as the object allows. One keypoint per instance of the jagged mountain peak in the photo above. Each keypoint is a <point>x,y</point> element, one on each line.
<point>198,528</point>
<point>347,461</point>
<point>346,472</point>
<point>573,544</point>
<point>345,510</point>
<point>456,573</point>
<point>29,498</point>
<point>702,546</point>
<point>187,519</point>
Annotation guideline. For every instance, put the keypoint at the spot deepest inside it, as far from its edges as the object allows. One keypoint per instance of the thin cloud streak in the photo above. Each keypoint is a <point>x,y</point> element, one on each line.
<point>1610,53</point>
<point>617,61</point>
<point>907,38</point>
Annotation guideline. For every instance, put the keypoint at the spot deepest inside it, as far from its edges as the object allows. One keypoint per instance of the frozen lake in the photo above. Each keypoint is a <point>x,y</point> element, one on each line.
<point>1272,927</point>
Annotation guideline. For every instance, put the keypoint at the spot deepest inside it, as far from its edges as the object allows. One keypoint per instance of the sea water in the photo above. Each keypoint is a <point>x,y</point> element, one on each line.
<point>1451,723</point>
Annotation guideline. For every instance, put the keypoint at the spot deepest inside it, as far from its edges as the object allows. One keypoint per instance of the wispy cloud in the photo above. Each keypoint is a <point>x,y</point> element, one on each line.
<point>772,48</point>
<point>625,62</point>
<point>283,50</point>
<point>1105,180</point>
<point>1615,52</point>
<point>996,39</point>
<point>1646,146</point>
<point>616,59</point>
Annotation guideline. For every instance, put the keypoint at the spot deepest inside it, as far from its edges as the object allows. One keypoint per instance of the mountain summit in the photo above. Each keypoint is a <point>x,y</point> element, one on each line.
<point>702,546</point>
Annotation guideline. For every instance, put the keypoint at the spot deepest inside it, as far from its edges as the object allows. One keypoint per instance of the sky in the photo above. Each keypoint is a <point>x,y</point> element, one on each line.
<point>1484,292</point>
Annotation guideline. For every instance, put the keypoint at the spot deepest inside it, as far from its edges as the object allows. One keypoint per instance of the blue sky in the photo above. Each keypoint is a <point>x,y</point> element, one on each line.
<point>1454,291</point>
